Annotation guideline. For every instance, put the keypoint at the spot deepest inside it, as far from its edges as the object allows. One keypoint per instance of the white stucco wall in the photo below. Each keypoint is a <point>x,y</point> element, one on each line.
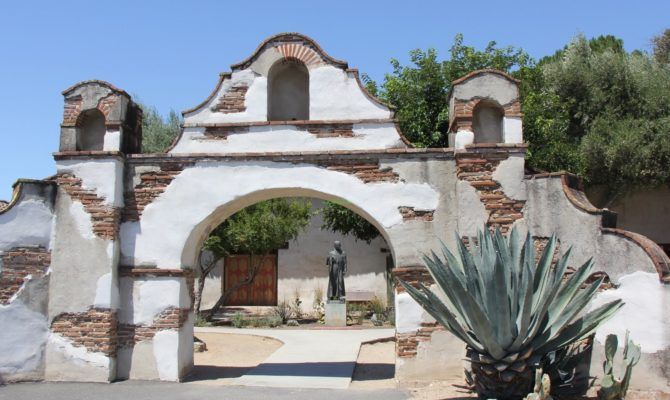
<point>328,85</point>
<point>104,176</point>
<point>159,237</point>
<point>272,138</point>
<point>302,267</point>
<point>144,299</point>
<point>26,223</point>
<point>489,85</point>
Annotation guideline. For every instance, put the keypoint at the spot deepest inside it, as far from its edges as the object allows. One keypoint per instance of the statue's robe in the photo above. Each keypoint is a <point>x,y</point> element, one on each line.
<point>337,267</point>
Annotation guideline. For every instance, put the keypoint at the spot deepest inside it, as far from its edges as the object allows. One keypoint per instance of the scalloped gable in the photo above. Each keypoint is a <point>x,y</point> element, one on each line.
<point>241,93</point>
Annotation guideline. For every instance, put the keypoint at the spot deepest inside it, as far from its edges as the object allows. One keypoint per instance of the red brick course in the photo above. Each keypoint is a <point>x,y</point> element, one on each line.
<point>105,218</point>
<point>152,184</point>
<point>410,214</point>
<point>72,108</point>
<point>170,318</point>
<point>412,275</point>
<point>95,329</point>
<point>233,100</point>
<point>477,169</point>
<point>18,264</point>
<point>407,343</point>
<point>368,172</point>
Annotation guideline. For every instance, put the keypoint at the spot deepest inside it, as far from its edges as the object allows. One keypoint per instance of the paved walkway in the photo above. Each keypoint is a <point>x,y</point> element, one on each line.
<point>308,358</point>
<point>152,390</point>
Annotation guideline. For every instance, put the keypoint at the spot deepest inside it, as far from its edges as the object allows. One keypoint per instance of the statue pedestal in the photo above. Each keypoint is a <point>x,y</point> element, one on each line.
<point>336,313</point>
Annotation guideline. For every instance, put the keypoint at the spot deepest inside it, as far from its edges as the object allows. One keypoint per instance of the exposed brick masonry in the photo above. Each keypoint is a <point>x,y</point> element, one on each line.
<point>320,130</point>
<point>477,169</point>
<point>95,329</point>
<point>233,100</point>
<point>408,343</point>
<point>17,265</point>
<point>170,318</point>
<point>73,105</point>
<point>412,275</point>
<point>365,171</point>
<point>105,218</point>
<point>410,214</point>
<point>152,184</point>
<point>463,112</point>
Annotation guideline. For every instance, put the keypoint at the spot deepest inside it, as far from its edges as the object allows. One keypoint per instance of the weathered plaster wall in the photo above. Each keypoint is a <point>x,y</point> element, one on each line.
<point>548,210</point>
<point>327,86</point>
<point>155,324</point>
<point>86,258</point>
<point>159,238</point>
<point>302,266</point>
<point>645,315</point>
<point>25,244</point>
<point>274,138</point>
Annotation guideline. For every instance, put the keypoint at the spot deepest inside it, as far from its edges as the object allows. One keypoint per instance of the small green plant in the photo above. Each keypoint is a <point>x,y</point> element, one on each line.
<point>317,304</point>
<point>273,321</point>
<point>356,312</point>
<point>542,387</point>
<point>238,320</point>
<point>612,388</point>
<point>201,321</point>
<point>283,311</point>
<point>296,306</point>
<point>378,307</point>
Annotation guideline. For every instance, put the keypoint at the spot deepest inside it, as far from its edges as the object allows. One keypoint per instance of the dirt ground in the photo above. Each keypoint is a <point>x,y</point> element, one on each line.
<point>240,352</point>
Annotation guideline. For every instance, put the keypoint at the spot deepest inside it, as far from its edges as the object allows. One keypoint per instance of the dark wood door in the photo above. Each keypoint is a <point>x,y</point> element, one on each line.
<point>262,291</point>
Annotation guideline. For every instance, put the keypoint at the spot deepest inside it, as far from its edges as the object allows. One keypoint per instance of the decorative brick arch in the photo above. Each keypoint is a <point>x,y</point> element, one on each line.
<point>299,51</point>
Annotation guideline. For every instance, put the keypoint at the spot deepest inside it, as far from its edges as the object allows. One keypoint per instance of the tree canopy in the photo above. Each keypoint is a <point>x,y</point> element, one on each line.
<point>592,108</point>
<point>340,219</point>
<point>158,132</point>
<point>260,228</point>
<point>419,91</point>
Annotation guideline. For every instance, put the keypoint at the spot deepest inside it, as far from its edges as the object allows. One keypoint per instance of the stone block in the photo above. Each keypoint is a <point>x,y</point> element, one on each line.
<point>336,313</point>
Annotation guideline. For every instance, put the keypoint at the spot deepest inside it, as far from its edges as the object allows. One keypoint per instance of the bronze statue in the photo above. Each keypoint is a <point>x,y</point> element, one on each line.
<point>337,267</point>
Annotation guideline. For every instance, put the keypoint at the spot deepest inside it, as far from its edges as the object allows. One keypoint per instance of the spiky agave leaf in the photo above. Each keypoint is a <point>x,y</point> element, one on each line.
<point>506,307</point>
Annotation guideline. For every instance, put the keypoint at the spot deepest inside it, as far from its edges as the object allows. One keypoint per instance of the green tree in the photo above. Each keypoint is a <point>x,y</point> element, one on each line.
<point>419,91</point>
<point>257,230</point>
<point>340,219</point>
<point>595,110</point>
<point>158,132</point>
<point>661,45</point>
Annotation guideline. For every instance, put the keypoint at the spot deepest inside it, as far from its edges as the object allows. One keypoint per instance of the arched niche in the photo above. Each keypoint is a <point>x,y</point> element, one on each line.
<point>91,130</point>
<point>288,91</point>
<point>487,122</point>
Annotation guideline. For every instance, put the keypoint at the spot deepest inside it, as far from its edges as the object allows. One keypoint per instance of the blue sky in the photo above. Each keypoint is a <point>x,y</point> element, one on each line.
<point>169,53</point>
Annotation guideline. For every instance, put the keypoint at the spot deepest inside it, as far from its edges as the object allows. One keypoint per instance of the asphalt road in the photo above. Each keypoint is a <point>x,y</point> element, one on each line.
<point>149,390</point>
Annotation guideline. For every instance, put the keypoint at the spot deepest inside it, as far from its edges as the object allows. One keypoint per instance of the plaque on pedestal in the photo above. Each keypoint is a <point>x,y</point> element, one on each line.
<point>336,313</point>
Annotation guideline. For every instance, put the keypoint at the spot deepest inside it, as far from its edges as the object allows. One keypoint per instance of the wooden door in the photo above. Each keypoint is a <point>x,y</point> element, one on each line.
<point>262,291</point>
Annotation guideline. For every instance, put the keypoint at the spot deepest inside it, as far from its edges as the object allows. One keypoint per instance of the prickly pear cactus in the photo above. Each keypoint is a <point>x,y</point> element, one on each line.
<point>542,387</point>
<point>611,387</point>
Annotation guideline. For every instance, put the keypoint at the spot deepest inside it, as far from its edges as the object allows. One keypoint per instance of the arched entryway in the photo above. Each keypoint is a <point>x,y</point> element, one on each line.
<point>316,368</point>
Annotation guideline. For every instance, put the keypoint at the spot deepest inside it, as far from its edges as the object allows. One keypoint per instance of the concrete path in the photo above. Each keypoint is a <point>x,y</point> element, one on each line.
<point>308,358</point>
<point>151,390</point>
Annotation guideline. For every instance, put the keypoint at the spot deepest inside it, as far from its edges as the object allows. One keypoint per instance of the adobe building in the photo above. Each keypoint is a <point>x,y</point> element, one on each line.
<point>96,279</point>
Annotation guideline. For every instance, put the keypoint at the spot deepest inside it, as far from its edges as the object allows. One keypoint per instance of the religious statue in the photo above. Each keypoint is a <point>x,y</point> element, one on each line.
<point>337,267</point>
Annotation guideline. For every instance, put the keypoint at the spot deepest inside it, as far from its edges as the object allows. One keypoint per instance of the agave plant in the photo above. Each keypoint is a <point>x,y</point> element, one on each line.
<point>509,311</point>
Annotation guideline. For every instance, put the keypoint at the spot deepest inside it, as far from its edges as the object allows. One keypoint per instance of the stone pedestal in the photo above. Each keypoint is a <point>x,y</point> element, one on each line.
<point>336,313</point>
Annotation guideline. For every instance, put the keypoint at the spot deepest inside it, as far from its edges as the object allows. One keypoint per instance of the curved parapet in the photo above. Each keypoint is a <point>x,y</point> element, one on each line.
<point>26,219</point>
<point>654,251</point>
<point>557,204</point>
